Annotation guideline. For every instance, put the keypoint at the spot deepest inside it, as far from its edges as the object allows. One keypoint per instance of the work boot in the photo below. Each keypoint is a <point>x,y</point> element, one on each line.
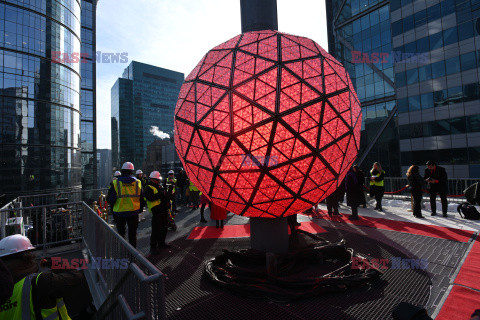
<point>433,214</point>
<point>445,215</point>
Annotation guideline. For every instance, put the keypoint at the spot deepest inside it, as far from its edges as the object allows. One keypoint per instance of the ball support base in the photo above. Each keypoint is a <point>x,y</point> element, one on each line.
<point>269,234</point>
<point>313,267</point>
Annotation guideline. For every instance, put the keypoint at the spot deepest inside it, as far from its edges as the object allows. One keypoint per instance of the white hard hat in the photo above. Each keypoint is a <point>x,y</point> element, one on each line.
<point>139,172</point>
<point>128,166</point>
<point>14,244</point>
<point>117,174</point>
<point>155,175</point>
<point>171,172</point>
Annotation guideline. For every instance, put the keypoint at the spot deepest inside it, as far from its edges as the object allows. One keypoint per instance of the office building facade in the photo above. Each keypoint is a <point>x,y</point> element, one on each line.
<point>153,161</point>
<point>415,67</point>
<point>39,96</point>
<point>104,165</point>
<point>88,134</point>
<point>143,104</point>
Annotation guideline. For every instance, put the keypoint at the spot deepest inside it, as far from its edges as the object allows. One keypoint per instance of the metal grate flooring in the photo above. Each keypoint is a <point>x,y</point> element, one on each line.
<point>190,296</point>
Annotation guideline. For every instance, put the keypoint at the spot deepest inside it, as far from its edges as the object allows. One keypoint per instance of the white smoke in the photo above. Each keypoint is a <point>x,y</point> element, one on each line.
<point>157,133</point>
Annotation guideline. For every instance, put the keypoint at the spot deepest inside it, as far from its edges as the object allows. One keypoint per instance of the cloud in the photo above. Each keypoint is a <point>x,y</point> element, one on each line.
<point>157,133</point>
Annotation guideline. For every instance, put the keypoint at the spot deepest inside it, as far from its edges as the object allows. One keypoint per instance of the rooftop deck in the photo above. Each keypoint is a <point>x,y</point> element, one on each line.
<point>444,242</point>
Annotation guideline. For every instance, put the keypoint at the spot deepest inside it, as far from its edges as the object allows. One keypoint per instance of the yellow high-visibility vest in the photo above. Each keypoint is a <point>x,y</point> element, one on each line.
<point>20,304</point>
<point>171,182</point>
<point>151,204</point>
<point>192,187</point>
<point>376,183</point>
<point>128,196</point>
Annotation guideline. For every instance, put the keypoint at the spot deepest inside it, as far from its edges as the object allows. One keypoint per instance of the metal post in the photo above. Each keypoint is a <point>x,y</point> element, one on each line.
<point>44,214</point>
<point>258,15</point>
<point>269,235</point>
<point>3,222</point>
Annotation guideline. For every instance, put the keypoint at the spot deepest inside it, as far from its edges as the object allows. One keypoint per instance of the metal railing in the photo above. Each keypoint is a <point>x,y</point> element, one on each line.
<point>47,225</point>
<point>62,197</point>
<point>133,293</point>
<point>7,209</point>
<point>123,283</point>
<point>394,186</point>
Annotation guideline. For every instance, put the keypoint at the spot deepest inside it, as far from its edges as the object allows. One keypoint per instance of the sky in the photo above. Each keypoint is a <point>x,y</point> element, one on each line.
<point>175,35</point>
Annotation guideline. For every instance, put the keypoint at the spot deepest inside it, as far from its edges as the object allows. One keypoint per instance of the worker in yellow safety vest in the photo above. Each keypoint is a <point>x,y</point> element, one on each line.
<point>377,187</point>
<point>194,194</point>
<point>126,198</point>
<point>171,182</point>
<point>157,202</point>
<point>37,295</point>
<point>140,176</point>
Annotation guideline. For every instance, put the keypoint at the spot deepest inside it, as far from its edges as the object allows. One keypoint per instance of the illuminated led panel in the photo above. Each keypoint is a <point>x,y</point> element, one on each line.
<point>267,124</point>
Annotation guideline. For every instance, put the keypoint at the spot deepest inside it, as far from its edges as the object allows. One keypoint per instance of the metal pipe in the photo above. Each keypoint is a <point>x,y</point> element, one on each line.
<point>258,15</point>
<point>44,215</point>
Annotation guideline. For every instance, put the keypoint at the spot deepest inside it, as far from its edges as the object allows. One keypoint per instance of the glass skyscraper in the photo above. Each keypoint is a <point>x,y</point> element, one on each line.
<point>39,96</point>
<point>88,95</point>
<point>143,100</point>
<point>415,67</point>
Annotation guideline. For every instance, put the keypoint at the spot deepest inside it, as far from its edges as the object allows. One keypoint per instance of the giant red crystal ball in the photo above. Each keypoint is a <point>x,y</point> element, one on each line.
<point>267,124</point>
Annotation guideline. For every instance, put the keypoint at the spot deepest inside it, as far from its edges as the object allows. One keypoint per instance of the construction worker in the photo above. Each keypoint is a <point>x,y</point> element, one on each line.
<point>38,295</point>
<point>182,185</point>
<point>172,182</point>
<point>125,196</point>
<point>139,174</point>
<point>157,202</point>
<point>142,179</point>
<point>194,195</point>
<point>116,175</point>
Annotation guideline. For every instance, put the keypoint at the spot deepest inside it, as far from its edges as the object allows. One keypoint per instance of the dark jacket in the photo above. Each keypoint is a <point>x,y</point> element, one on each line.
<point>182,179</point>
<point>416,183</point>
<point>144,182</point>
<point>70,285</point>
<point>360,177</point>
<point>112,196</point>
<point>6,289</point>
<point>438,174</point>
<point>161,195</point>
<point>353,189</point>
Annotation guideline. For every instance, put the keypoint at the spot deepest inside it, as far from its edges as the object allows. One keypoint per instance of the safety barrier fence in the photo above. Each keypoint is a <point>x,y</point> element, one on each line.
<point>395,188</point>
<point>62,197</point>
<point>59,225</point>
<point>123,283</point>
<point>136,292</point>
<point>3,216</point>
<point>45,226</point>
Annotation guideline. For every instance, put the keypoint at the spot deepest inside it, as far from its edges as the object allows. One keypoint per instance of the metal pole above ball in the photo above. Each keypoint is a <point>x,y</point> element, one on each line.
<point>267,234</point>
<point>258,15</point>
